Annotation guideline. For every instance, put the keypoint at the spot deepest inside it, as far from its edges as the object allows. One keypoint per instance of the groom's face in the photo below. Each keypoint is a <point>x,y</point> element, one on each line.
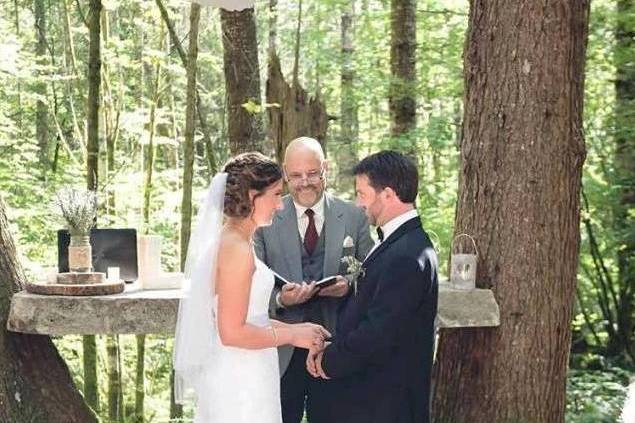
<point>369,199</point>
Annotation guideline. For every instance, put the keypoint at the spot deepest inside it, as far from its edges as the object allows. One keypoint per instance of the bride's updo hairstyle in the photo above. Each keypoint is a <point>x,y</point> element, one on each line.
<point>245,172</point>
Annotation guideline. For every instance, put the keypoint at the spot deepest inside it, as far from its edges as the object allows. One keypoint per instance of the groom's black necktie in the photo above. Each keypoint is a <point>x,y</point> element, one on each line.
<point>380,234</point>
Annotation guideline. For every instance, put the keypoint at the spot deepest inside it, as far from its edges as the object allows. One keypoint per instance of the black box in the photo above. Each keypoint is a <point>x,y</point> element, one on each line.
<point>110,248</point>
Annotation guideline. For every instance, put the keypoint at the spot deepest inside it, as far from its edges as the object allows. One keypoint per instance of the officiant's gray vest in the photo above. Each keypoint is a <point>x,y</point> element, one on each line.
<point>313,270</point>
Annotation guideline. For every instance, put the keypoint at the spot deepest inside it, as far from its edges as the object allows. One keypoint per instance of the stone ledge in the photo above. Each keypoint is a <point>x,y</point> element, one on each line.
<point>136,311</point>
<point>473,308</point>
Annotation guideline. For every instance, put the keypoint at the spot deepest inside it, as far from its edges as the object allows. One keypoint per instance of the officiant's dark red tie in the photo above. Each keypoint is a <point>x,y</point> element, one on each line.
<point>311,235</point>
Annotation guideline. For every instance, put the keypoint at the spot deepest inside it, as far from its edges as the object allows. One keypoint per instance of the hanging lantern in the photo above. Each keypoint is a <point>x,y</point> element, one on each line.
<point>463,266</point>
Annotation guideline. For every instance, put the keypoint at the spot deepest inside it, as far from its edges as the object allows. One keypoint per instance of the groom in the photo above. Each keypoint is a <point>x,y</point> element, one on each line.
<point>381,358</point>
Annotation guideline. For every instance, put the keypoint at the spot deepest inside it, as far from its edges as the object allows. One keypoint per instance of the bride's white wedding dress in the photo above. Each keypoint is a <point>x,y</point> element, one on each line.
<point>241,385</point>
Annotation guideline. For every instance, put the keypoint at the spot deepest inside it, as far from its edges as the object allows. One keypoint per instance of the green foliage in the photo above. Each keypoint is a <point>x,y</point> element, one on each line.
<point>158,365</point>
<point>596,395</point>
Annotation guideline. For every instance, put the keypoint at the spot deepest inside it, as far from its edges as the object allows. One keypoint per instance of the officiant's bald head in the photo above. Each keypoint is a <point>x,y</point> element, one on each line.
<point>305,170</point>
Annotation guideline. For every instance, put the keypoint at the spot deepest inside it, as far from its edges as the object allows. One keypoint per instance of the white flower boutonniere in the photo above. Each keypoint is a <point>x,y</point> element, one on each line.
<point>353,268</point>
<point>348,242</point>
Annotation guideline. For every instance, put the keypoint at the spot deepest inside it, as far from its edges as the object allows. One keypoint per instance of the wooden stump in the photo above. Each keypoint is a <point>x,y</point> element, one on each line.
<point>80,278</point>
<point>106,288</point>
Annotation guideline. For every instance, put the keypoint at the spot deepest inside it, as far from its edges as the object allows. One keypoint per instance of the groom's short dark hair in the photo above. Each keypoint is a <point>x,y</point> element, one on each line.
<point>391,169</point>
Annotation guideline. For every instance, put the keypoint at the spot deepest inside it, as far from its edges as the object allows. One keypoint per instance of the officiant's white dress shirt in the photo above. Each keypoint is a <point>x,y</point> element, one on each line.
<point>392,225</point>
<point>303,219</point>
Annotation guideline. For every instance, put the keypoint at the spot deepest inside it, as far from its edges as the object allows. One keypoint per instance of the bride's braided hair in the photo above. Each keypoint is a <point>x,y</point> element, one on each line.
<point>244,172</point>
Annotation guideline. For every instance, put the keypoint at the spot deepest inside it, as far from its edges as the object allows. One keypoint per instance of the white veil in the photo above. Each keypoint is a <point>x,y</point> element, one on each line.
<point>195,326</point>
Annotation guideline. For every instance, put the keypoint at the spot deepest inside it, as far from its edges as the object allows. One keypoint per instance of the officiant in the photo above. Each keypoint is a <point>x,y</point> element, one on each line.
<point>305,243</point>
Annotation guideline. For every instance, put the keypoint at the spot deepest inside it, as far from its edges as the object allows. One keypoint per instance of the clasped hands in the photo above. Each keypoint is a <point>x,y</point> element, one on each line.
<point>314,361</point>
<point>299,293</point>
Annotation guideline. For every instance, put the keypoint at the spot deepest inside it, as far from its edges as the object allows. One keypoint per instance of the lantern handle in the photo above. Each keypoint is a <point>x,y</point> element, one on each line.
<point>438,245</point>
<point>468,236</point>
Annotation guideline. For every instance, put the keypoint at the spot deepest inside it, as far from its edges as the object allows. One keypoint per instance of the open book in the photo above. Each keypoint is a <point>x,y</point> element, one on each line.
<point>279,281</point>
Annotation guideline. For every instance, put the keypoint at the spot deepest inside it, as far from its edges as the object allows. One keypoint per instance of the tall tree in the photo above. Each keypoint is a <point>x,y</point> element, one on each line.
<point>242,80</point>
<point>295,113</point>
<point>41,108</point>
<point>35,384</point>
<point>92,171</point>
<point>94,84</point>
<point>200,109</point>
<point>16,10</point>
<point>188,158</point>
<point>625,178</point>
<point>522,152</point>
<point>273,25</point>
<point>403,46</point>
<point>346,152</point>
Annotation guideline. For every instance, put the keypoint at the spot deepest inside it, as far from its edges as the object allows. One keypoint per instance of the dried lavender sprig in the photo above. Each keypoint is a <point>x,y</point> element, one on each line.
<point>79,208</point>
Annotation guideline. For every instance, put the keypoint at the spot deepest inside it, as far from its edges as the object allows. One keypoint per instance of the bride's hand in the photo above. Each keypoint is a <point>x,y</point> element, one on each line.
<point>309,335</point>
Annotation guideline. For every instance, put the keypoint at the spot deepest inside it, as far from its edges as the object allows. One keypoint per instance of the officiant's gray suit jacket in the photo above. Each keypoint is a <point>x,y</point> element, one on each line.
<point>280,247</point>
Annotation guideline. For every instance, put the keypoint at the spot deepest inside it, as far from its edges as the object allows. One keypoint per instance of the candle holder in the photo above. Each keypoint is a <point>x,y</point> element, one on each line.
<point>463,266</point>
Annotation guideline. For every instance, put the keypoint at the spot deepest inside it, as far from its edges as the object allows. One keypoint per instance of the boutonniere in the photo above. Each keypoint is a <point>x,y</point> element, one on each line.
<point>348,242</point>
<point>354,268</point>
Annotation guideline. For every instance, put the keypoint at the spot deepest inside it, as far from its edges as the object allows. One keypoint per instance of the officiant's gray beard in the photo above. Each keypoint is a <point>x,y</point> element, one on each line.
<point>307,196</point>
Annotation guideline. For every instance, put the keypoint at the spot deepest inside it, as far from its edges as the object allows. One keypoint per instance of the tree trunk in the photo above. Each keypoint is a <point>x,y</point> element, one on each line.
<point>625,177</point>
<point>346,153</point>
<point>140,392</point>
<point>149,148</point>
<point>295,113</point>
<point>298,113</point>
<point>41,108</point>
<point>115,407</point>
<point>176,410</point>
<point>149,158</point>
<point>242,80</point>
<point>190,127</point>
<point>111,113</point>
<point>403,46</point>
<point>19,85</point>
<point>94,82</point>
<point>519,187</point>
<point>36,385</point>
<point>200,109</point>
<point>92,171</point>
<point>74,83</point>
<point>273,25</point>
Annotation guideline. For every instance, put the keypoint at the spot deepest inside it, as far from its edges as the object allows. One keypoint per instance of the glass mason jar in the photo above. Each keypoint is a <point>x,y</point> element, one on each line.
<point>80,254</point>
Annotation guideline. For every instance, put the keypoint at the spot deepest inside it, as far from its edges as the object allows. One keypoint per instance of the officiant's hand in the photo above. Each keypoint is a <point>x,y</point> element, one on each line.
<point>297,293</point>
<point>338,289</point>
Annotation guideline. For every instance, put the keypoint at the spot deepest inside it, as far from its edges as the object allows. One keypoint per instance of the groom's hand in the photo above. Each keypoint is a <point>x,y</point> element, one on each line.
<point>310,362</point>
<point>297,293</point>
<point>314,362</point>
<point>338,289</point>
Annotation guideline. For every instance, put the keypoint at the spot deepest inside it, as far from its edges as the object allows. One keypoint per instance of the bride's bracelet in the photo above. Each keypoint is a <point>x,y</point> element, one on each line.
<point>275,335</point>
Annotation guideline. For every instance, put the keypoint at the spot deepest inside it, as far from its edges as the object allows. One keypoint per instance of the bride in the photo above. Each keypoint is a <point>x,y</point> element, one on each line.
<point>225,345</point>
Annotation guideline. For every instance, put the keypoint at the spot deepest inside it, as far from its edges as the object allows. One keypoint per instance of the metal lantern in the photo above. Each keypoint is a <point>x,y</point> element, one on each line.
<point>463,266</point>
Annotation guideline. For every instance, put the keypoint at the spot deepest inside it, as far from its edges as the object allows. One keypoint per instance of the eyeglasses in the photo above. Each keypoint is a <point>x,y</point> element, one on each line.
<point>312,177</point>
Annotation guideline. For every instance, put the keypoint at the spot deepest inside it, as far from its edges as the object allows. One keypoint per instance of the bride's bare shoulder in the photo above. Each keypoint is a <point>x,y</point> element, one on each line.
<point>233,248</point>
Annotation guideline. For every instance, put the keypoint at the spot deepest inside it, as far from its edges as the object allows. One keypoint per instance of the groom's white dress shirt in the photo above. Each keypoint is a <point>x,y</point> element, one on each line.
<point>392,225</point>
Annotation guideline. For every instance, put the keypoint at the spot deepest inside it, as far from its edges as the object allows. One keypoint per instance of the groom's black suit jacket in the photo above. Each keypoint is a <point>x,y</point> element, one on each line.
<point>381,360</point>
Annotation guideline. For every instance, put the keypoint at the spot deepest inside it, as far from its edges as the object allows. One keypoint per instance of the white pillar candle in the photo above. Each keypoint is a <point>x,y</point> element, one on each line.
<point>112,274</point>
